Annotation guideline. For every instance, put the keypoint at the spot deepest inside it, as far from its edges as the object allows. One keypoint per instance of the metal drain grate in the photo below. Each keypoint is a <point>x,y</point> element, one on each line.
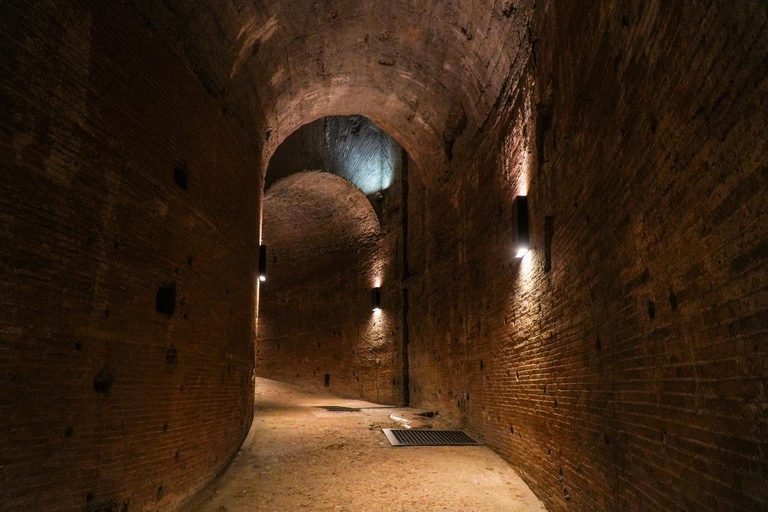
<point>336,408</point>
<point>401,437</point>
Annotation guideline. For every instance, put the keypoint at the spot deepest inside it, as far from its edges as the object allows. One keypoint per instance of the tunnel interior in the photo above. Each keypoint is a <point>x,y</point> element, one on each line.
<point>149,149</point>
<point>332,224</point>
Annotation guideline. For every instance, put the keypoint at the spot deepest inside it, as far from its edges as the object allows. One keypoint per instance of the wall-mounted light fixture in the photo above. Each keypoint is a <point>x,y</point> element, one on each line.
<point>262,263</point>
<point>376,299</point>
<point>520,226</point>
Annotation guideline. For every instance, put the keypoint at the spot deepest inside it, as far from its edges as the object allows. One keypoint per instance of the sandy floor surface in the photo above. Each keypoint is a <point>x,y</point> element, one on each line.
<point>300,457</point>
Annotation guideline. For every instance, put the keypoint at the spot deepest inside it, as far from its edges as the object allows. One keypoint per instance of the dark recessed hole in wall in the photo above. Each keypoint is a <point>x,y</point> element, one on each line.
<point>481,365</point>
<point>555,404</point>
<point>549,233</point>
<point>454,126</point>
<point>171,356</point>
<point>654,125</point>
<point>78,346</point>
<point>165,302</point>
<point>165,427</point>
<point>545,112</point>
<point>598,343</point>
<point>176,456</point>
<point>327,379</point>
<point>103,380</point>
<point>672,301</point>
<point>651,310</point>
<point>511,429</point>
<point>160,493</point>
<point>69,431</point>
<point>561,471</point>
<point>508,8</point>
<point>181,174</point>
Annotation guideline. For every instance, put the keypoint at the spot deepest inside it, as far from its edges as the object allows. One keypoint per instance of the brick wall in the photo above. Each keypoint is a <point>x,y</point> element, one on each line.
<point>631,374</point>
<point>621,365</point>
<point>120,177</point>
<point>327,250</point>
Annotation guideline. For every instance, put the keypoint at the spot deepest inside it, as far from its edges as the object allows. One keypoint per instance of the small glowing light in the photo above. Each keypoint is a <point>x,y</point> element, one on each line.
<point>376,299</point>
<point>262,262</point>
<point>520,230</point>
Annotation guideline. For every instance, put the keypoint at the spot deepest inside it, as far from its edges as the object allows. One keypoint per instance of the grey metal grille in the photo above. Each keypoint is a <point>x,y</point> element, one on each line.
<point>417,437</point>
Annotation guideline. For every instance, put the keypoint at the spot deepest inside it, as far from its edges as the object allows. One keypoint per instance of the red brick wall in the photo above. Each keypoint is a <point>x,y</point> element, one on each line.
<point>106,404</point>
<point>326,251</point>
<point>632,374</point>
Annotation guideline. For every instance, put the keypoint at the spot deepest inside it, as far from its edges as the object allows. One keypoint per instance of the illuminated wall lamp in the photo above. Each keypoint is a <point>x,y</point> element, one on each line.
<point>520,226</point>
<point>262,263</point>
<point>376,299</point>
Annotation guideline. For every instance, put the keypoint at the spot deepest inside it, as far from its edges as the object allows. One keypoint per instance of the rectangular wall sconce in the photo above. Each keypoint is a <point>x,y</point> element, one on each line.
<point>262,263</point>
<point>376,298</point>
<point>520,226</point>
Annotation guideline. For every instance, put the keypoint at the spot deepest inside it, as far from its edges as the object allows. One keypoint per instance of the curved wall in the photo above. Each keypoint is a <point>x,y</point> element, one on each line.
<point>621,365</point>
<point>326,251</point>
<point>129,216</point>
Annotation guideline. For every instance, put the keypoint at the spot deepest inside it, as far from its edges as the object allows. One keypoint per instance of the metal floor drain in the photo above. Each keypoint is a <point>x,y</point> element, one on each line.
<point>415,437</point>
<point>336,408</point>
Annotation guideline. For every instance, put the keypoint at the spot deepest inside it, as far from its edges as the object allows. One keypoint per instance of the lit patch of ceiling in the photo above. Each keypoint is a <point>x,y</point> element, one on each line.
<point>351,147</point>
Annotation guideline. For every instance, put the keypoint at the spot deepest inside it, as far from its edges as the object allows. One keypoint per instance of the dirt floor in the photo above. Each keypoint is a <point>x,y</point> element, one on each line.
<point>301,457</point>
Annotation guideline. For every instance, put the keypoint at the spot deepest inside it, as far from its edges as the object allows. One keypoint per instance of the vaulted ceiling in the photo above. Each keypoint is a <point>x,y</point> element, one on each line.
<point>424,71</point>
<point>349,146</point>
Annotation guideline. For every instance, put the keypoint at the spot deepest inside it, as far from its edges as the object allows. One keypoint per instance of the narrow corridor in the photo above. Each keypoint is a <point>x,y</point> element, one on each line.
<point>298,456</point>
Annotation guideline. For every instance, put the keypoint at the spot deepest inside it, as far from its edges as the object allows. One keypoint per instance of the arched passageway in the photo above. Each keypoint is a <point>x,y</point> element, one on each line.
<point>619,365</point>
<point>333,235</point>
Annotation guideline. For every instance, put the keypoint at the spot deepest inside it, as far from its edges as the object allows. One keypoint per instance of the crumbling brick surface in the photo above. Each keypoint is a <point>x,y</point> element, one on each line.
<point>621,365</point>
<point>631,374</point>
<point>127,317</point>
